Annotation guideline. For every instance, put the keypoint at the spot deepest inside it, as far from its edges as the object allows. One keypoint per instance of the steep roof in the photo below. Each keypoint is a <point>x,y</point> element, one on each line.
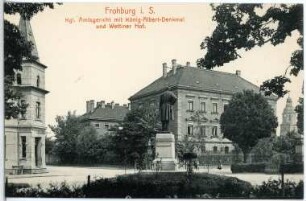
<point>26,31</point>
<point>198,79</point>
<point>107,113</point>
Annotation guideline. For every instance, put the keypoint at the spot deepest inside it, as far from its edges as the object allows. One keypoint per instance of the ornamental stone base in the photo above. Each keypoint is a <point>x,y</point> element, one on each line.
<point>165,152</point>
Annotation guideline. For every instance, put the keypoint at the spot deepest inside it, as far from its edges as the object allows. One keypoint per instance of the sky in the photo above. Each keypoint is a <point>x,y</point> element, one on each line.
<point>87,63</point>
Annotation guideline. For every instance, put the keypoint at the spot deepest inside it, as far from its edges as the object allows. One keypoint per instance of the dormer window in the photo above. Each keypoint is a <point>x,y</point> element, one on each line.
<point>19,79</point>
<point>37,81</point>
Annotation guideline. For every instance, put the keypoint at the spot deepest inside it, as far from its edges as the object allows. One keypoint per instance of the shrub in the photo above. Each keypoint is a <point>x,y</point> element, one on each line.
<point>257,167</point>
<point>62,190</point>
<point>144,185</point>
<point>161,185</point>
<point>272,189</point>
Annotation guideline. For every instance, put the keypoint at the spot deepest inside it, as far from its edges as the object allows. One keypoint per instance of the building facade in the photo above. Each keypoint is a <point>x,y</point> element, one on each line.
<point>202,95</point>
<point>289,119</point>
<point>104,116</point>
<point>25,136</point>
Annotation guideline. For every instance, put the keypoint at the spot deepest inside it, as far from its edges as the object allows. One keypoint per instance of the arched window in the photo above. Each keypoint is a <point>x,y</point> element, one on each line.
<point>37,81</point>
<point>190,129</point>
<point>23,111</point>
<point>19,79</point>
<point>37,110</point>
<point>214,131</point>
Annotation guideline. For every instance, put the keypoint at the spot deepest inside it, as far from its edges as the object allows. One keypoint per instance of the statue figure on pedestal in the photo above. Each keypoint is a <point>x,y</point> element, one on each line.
<point>167,100</point>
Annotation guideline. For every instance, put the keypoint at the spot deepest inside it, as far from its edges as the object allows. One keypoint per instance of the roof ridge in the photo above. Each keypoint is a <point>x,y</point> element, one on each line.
<point>199,78</point>
<point>212,71</point>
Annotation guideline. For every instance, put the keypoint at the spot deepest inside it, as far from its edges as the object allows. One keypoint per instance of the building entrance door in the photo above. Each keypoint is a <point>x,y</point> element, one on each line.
<point>38,158</point>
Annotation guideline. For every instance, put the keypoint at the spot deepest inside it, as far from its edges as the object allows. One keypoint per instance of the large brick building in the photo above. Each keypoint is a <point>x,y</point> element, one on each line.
<point>25,136</point>
<point>202,97</point>
<point>104,116</point>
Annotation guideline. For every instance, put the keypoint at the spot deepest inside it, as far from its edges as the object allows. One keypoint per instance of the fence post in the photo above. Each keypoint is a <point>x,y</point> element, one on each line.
<point>283,184</point>
<point>6,183</point>
<point>88,180</point>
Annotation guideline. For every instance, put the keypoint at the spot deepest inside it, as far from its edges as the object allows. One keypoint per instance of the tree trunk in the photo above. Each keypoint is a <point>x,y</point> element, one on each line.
<point>245,156</point>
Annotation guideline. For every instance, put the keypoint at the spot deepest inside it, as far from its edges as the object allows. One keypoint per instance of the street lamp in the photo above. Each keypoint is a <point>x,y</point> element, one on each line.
<point>125,140</point>
<point>120,128</point>
<point>150,152</point>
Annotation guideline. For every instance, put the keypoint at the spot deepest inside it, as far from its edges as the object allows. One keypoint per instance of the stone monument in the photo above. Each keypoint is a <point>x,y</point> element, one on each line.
<point>165,141</point>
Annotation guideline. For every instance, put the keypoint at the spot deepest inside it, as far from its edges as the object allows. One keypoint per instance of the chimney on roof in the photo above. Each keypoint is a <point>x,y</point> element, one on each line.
<point>117,105</point>
<point>112,104</point>
<point>165,69</point>
<point>90,106</point>
<point>129,106</point>
<point>187,64</point>
<point>101,104</point>
<point>238,72</point>
<point>174,66</point>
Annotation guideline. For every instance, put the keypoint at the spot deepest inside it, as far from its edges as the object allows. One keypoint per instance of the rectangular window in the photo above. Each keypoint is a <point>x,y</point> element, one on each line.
<point>23,146</point>
<point>226,150</point>
<point>203,131</point>
<point>19,82</point>
<point>97,125</point>
<point>215,108</point>
<point>203,107</point>
<point>215,131</point>
<point>215,149</point>
<point>106,126</point>
<point>190,129</point>
<point>37,108</point>
<point>190,105</point>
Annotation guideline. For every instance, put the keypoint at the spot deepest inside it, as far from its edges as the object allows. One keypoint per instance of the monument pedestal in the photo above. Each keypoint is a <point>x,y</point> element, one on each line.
<point>165,151</point>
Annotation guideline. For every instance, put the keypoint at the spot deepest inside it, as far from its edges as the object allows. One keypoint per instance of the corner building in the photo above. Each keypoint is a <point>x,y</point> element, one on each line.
<point>203,95</point>
<point>25,136</point>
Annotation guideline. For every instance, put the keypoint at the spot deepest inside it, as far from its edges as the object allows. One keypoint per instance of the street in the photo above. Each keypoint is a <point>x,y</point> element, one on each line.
<point>78,175</point>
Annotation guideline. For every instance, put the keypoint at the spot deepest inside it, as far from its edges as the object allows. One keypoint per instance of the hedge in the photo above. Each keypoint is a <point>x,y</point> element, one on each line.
<point>166,184</point>
<point>148,185</point>
<point>255,167</point>
<point>263,168</point>
<point>272,190</point>
<point>293,168</point>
